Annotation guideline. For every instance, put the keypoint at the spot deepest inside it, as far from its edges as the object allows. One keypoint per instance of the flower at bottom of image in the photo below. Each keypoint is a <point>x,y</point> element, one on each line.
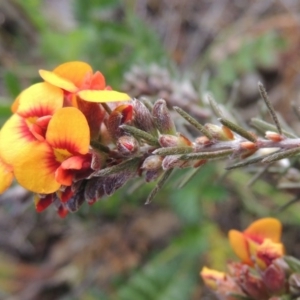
<point>264,272</point>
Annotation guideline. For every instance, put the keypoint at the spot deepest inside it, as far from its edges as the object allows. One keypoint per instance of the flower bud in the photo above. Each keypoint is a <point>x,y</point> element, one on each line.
<point>162,118</point>
<point>167,140</point>
<point>152,162</point>
<point>94,190</point>
<point>73,204</point>
<point>274,279</point>
<point>220,133</point>
<point>143,118</point>
<point>127,145</point>
<point>252,284</point>
<point>120,115</point>
<point>202,140</point>
<point>274,136</point>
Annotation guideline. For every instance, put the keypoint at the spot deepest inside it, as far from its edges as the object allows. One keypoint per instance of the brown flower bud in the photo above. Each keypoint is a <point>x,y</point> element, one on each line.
<point>167,140</point>
<point>73,204</point>
<point>250,283</point>
<point>162,118</point>
<point>202,141</point>
<point>143,118</point>
<point>127,145</point>
<point>274,279</point>
<point>219,133</point>
<point>120,115</point>
<point>152,162</point>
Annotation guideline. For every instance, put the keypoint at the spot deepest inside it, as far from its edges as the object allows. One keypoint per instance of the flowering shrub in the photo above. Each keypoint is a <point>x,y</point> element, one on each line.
<point>263,271</point>
<point>73,139</point>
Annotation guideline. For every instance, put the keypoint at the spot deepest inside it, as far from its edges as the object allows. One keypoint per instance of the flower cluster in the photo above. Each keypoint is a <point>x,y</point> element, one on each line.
<point>263,271</point>
<point>45,144</point>
<point>72,139</point>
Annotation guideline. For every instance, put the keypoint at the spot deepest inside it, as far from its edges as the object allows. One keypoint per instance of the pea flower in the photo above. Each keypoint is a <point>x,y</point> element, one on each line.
<point>84,90</point>
<point>39,143</point>
<point>246,244</point>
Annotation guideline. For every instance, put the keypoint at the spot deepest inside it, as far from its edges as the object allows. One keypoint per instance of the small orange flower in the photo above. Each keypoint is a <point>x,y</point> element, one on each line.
<point>245,244</point>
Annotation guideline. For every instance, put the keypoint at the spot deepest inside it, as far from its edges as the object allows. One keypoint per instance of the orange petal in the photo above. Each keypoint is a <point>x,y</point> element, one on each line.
<point>64,176</point>
<point>74,71</point>
<point>35,170</point>
<point>40,99</point>
<point>68,129</point>
<point>6,176</point>
<point>14,136</point>
<point>102,96</point>
<point>265,228</point>
<point>239,245</point>
<point>58,81</point>
<point>97,81</point>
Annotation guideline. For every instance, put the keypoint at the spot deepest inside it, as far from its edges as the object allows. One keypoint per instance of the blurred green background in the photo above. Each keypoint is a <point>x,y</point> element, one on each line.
<point>119,248</point>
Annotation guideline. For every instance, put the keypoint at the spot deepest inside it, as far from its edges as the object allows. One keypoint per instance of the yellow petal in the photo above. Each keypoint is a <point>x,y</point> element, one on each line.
<point>58,81</point>
<point>6,176</point>
<point>212,278</point>
<point>102,96</point>
<point>239,245</point>
<point>74,71</point>
<point>35,170</point>
<point>68,129</point>
<point>14,136</point>
<point>68,76</point>
<point>265,228</point>
<point>40,99</point>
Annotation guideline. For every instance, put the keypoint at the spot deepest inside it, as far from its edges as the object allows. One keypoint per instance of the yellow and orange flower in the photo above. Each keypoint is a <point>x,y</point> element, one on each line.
<point>77,78</point>
<point>39,143</point>
<point>262,236</point>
